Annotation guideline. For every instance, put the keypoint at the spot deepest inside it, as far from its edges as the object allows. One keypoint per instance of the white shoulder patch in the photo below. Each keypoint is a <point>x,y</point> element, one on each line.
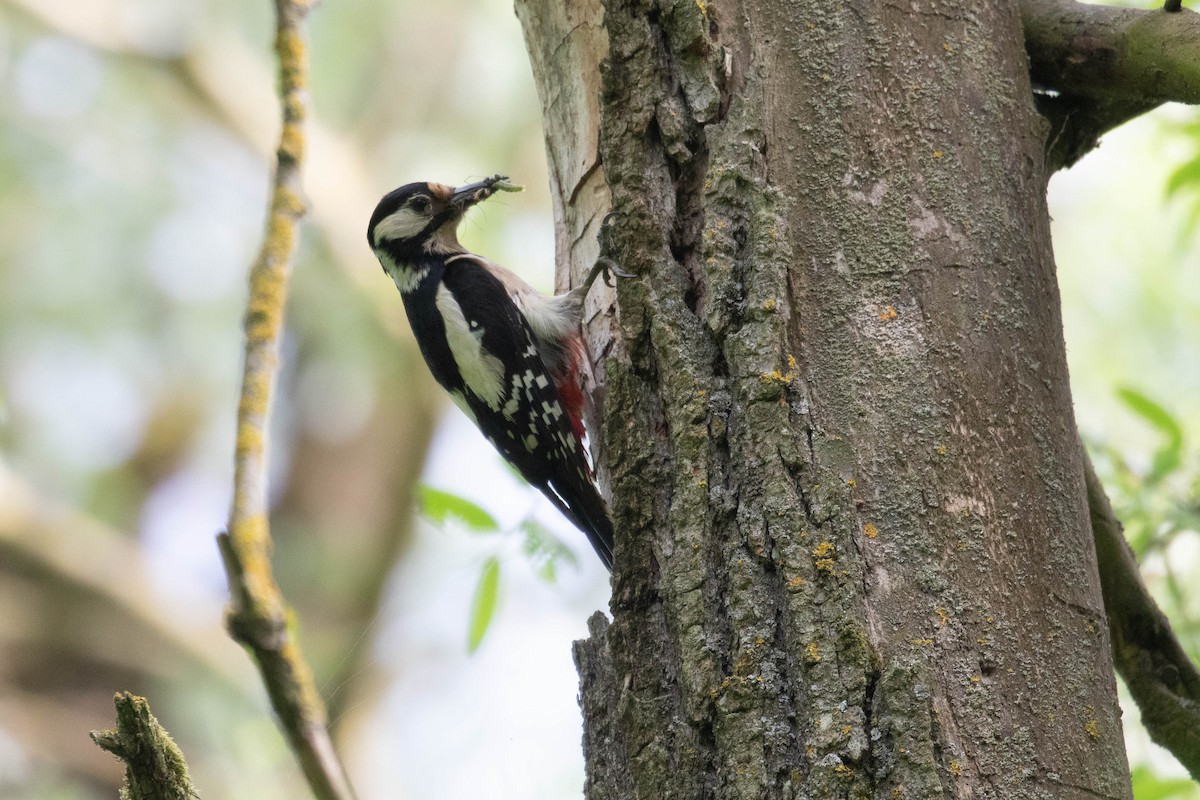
<point>482,372</point>
<point>552,317</point>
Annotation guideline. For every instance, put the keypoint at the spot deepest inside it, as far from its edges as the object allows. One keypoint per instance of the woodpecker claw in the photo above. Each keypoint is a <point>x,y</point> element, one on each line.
<point>605,266</point>
<point>610,268</point>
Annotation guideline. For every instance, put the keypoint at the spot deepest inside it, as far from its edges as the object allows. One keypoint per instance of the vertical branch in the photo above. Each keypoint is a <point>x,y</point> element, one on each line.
<point>259,617</point>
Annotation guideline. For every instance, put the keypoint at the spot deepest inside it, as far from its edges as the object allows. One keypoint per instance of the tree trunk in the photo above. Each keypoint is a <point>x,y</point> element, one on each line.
<point>853,549</point>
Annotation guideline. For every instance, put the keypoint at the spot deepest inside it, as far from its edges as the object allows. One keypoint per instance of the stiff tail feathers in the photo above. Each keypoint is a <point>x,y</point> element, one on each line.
<point>584,507</point>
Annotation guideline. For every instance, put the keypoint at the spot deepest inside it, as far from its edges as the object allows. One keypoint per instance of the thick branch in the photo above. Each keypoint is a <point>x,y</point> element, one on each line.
<point>1163,682</point>
<point>1100,67</point>
<point>259,617</point>
<point>154,766</point>
<point>1106,52</point>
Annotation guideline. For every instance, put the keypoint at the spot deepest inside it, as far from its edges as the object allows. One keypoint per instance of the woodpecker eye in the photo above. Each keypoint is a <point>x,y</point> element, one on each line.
<point>419,204</point>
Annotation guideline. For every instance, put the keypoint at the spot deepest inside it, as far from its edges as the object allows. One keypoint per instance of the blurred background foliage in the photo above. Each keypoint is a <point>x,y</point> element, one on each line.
<point>134,150</point>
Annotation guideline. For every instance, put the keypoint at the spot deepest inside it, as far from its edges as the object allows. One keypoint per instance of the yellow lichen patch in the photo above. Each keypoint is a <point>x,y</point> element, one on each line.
<point>248,534</point>
<point>853,484</point>
<point>774,376</point>
<point>843,769</point>
<point>1093,728</point>
<point>922,642</point>
<point>870,531</point>
<point>976,678</point>
<point>769,304</point>
<point>983,641</point>
<point>937,153</point>
<point>779,377</point>
<point>796,582</point>
<point>291,142</point>
<point>823,556</point>
<point>898,793</point>
<point>812,652</point>
<point>940,450</point>
<point>955,768</point>
<point>943,615</point>
<point>888,313</point>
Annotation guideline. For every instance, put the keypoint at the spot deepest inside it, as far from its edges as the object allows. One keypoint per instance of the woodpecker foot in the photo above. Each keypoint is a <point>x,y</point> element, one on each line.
<point>605,265</point>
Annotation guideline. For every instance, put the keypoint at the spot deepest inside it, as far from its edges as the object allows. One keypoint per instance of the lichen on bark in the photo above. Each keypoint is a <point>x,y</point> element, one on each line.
<point>835,418</point>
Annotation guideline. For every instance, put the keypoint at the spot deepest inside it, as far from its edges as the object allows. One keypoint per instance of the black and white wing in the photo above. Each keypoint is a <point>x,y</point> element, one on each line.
<point>510,393</point>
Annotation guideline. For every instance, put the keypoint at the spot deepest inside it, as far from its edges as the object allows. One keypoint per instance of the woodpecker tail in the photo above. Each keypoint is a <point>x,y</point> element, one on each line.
<point>581,503</point>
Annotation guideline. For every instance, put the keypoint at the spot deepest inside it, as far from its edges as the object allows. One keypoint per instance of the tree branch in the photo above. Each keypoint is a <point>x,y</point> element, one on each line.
<point>259,617</point>
<point>1102,51</point>
<point>1097,67</point>
<point>154,766</point>
<point>1163,682</point>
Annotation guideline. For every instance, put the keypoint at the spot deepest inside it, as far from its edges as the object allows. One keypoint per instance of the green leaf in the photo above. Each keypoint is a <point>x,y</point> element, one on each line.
<point>483,604</point>
<point>545,550</point>
<point>1150,411</point>
<point>441,506</point>
<point>1186,177</point>
<point>1167,458</point>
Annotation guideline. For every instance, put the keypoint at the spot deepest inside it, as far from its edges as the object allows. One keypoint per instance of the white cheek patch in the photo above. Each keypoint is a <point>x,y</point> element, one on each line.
<point>482,372</point>
<point>403,224</point>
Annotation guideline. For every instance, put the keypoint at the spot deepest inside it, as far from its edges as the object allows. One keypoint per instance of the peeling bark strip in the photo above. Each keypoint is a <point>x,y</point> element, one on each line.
<point>852,558</point>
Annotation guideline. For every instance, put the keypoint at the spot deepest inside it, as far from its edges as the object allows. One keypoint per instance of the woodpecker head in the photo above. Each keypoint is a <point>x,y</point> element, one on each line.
<point>422,218</point>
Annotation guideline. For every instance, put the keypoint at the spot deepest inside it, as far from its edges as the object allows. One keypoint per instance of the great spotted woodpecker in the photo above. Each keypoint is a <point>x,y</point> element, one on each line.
<point>509,357</point>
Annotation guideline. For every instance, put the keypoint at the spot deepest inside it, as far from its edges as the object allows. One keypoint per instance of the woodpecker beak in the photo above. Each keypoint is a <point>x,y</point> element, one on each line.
<point>466,196</point>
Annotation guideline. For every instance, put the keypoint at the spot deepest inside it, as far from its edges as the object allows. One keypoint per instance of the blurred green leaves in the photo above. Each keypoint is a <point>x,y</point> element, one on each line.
<point>1155,493</point>
<point>543,550</point>
<point>441,507</point>
<point>1148,786</point>
<point>483,604</point>
<point>1169,455</point>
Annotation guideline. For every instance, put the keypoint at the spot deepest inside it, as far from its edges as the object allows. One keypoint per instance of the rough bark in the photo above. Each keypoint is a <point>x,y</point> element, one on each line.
<point>154,766</point>
<point>853,556</point>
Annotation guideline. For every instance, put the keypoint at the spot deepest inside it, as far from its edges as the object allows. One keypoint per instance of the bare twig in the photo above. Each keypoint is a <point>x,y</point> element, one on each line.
<point>1163,682</point>
<point>154,766</point>
<point>259,617</point>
